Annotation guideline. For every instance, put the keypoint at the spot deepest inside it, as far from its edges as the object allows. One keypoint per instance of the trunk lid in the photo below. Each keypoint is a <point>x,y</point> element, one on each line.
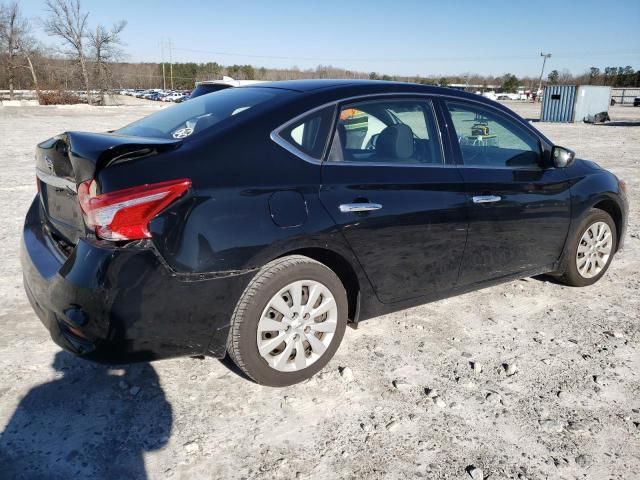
<point>65,161</point>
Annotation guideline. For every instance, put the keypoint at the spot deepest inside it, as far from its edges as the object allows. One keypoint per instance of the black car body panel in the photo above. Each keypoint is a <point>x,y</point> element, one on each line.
<point>592,186</point>
<point>425,211</point>
<point>524,231</point>
<point>252,201</point>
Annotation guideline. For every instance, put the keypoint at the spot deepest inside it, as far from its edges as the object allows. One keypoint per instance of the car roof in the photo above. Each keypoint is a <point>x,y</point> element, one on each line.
<point>363,87</point>
<point>351,87</point>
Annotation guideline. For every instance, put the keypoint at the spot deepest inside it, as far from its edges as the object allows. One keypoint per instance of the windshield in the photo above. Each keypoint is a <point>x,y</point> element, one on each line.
<point>189,118</point>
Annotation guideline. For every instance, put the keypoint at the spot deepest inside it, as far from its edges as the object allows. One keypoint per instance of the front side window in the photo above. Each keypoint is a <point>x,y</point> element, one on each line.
<point>387,131</point>
<point>196,115</point>
<point>488,139</point>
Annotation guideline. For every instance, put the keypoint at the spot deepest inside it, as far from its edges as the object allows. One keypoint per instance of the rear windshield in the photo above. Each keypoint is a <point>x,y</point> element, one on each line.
<point>196,115</point>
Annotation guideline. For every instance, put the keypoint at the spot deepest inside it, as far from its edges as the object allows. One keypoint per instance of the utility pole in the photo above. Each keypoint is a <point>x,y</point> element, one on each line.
<point>544,60</point>
<point>170,63</point>
<point>164,79</point>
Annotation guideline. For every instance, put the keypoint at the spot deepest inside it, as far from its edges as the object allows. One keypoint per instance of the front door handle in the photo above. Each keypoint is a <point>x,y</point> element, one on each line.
<point>486,198</point>
<point>359,207</point>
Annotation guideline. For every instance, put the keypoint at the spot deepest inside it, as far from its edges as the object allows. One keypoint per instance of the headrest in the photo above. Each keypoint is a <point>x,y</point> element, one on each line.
<point>395,141</point>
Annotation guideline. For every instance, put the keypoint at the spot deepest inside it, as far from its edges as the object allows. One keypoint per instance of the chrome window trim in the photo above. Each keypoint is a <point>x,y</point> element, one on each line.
<point>275,133</point>
<point>496,167</point>
<point>57,182</point>
<point>392,164</point>
<point>431,165</point>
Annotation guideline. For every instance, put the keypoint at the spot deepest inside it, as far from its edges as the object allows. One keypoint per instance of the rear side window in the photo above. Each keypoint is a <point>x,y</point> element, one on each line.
<point>387,131</point>
<point>488,139</point>
<point>309,134</point>
<point>199,114</point>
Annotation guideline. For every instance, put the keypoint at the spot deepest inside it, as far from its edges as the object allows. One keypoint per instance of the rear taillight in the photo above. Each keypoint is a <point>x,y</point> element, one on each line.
<point>125,214</point>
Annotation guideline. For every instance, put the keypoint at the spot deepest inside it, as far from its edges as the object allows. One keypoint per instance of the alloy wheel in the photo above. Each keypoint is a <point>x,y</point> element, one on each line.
<point>594,249</point>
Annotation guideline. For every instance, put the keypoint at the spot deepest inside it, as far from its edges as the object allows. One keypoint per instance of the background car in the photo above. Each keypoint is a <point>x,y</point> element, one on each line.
<point>173,97</point>
<point>211,86</point>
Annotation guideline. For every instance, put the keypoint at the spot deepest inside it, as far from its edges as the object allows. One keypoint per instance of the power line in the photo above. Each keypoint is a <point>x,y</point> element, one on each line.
<point>170,62</point>
<point>583,54</point>
<point>164,78</point>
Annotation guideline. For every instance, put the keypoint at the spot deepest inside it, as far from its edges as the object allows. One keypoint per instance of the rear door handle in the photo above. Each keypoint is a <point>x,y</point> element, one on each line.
<point>359,207</point>
<point>486,198</point>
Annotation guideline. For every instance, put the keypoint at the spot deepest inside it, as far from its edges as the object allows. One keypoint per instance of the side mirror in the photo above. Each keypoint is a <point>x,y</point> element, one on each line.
<point>562,157</point>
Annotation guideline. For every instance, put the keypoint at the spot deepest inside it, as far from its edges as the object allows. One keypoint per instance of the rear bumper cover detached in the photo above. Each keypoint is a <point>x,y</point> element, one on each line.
<point>119,304</point>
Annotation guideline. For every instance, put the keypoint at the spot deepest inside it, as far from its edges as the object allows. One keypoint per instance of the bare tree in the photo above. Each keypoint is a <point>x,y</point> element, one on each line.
<point>105,46</point>
<point>16,41</point>
<point>12,28</point>
<point>29,48</point>
<point>566,78</point>
<point>67,22</point>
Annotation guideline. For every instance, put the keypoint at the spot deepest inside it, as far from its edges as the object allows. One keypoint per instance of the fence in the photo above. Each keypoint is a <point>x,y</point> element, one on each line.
<point>624,96</point>
<point>18,94</point>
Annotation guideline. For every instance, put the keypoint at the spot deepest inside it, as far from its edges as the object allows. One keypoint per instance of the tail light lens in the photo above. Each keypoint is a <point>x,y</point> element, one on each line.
<point>125,214</point>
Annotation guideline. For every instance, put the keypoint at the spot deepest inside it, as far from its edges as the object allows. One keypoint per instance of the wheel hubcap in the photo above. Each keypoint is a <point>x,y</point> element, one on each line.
<point>594,249</point>
<point>297,326</point>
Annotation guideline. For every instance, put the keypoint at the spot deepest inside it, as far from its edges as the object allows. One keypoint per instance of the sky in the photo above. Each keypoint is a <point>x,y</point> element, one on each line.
<point>403,37</point>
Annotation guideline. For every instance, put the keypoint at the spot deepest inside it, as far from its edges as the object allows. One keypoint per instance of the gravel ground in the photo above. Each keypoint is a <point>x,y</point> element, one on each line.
<point>529,379</point>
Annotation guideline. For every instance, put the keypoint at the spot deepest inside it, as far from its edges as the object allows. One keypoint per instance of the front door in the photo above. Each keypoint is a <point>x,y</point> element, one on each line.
<point>519,206</point>
<point>400,205</point>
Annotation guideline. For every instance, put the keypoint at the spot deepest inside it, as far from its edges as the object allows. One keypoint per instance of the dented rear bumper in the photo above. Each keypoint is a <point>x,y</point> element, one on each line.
<point>119,304</point>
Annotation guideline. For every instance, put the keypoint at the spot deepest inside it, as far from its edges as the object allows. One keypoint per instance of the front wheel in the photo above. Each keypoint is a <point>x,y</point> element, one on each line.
<point>591,250</point>
<point>289,321</point>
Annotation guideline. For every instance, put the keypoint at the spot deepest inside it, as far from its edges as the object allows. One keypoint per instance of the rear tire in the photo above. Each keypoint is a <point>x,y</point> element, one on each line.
<point>300,302</point>
<point>597,240</point>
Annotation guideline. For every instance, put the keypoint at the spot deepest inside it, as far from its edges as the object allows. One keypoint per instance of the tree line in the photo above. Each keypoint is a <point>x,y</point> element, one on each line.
<point>609,76</point>
<point>90,57</point>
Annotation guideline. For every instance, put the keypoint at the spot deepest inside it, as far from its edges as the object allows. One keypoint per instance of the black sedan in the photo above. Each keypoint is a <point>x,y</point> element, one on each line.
<point>258,221</point>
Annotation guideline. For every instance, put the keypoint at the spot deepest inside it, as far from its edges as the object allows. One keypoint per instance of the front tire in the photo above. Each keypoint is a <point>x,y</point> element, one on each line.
<point>289,321</point>
<point>591,250</point>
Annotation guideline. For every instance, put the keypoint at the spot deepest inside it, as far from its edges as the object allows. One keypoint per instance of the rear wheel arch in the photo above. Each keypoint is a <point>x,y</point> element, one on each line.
<point>341,267</point>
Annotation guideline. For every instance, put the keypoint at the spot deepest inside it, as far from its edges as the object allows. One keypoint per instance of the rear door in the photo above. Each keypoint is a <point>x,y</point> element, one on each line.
<point>519,203</point>
<point>399,203</point>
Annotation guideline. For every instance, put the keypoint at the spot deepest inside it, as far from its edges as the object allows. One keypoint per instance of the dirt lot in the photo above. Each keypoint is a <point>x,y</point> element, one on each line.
<point>570,410</point>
